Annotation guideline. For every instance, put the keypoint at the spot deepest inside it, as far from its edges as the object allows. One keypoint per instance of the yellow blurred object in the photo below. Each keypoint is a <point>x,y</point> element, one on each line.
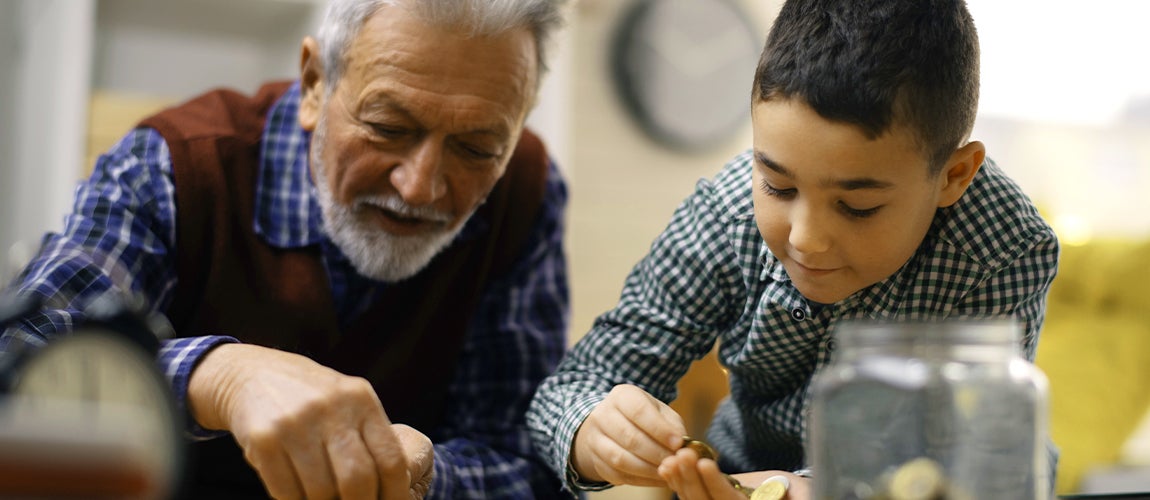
<point>1095,348</point>
<point>111,115</point>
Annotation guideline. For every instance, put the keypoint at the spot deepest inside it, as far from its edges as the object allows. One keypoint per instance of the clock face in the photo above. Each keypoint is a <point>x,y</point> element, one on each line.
<point>684,68</point>
<point>107,387</point>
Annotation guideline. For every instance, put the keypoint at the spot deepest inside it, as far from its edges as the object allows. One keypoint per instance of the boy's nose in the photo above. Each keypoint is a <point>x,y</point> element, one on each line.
<point>419,178</point>
<point>808,234</point>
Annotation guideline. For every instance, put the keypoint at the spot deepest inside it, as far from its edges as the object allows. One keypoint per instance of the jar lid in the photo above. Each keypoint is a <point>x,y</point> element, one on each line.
<point>941,332</point>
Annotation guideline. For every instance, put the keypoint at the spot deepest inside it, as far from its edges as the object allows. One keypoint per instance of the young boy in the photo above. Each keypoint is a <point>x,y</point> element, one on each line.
<point>861,198</point>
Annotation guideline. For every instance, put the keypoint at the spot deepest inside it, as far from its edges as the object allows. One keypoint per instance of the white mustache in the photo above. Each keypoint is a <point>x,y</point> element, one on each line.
<point>396,204</point>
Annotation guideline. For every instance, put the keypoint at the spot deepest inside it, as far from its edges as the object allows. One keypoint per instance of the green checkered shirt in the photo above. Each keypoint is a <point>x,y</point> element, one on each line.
<point>710,277</point>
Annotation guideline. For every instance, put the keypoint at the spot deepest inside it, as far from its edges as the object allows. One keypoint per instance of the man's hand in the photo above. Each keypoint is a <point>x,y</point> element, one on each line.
<point>309,431</point>
<point>626,437</point>
<point>693,478</point>
<point>420,458</point>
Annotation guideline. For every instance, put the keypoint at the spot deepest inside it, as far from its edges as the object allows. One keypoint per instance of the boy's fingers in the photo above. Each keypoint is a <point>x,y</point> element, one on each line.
<point>619,465</point>
<point>627,457</point>
<point>674,418</point>
<point>654,417</point>
<point>691,486</point>
<point>718,485</point>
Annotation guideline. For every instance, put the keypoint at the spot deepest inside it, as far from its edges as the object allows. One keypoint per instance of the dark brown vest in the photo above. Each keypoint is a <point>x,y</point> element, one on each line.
<point>233,283</point>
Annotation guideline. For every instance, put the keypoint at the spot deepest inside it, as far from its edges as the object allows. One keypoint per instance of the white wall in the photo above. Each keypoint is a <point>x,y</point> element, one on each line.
<point>1065,109</point>
<point>44,112</point>
<point>9,54</point>
<point>179,48</point>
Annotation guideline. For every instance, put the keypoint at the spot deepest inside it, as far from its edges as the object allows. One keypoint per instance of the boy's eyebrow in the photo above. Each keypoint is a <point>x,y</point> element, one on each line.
<point>861,183</point>
<point>772,164</point>
<point>852,184</point>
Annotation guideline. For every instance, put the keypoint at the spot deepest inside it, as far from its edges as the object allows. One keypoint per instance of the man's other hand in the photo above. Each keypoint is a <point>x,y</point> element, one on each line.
<point>309,431</point>
<point>420,458</point>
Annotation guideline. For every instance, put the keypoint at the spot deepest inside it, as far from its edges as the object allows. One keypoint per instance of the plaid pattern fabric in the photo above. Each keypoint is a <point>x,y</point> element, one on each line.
<point>121,235</point>
<point>710,277</point>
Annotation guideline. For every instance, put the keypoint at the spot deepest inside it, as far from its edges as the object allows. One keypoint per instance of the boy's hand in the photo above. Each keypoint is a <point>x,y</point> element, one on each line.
<point>626,437</point>
<point>693,478</point>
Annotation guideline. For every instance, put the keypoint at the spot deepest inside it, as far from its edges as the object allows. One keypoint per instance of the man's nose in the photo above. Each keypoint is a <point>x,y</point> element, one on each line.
<point>809,232</point>
<point>419,178</point>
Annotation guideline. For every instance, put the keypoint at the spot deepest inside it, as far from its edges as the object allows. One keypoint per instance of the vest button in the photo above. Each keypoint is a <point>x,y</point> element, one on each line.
<point>798,314</point>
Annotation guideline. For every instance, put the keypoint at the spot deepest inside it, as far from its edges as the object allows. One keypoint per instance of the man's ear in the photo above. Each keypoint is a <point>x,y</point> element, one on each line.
<point>959,172</point>
<point>311,84</point>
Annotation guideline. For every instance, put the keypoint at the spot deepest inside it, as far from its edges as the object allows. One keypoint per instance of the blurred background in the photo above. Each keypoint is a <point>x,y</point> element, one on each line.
<point>1065,110</point>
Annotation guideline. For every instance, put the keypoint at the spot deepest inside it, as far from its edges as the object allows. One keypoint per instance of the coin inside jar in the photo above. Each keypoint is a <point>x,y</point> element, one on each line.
<point>703,449</point>
<point>918,479</point>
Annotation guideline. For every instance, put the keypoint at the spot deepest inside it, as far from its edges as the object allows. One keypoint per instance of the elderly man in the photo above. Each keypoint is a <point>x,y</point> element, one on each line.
<point>364,267</point>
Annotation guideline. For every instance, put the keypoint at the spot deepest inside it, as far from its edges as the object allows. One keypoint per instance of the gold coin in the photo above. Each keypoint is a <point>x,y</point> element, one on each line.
<point>703,449</point>
<point>738,486</point>
<point>918,479</point>
<point>771,489</point>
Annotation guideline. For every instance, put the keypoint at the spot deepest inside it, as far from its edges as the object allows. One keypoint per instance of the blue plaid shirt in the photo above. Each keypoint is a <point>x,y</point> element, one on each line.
<point>121,236</point>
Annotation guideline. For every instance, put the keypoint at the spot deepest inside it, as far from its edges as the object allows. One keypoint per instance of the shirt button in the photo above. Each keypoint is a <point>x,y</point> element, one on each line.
<point>831,345</point>
<point>798,314</point>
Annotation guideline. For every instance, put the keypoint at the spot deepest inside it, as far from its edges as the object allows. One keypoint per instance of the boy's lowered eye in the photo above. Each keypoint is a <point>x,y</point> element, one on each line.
<point>858,213</point>
<point>790,193</point>
<point>776,192</point>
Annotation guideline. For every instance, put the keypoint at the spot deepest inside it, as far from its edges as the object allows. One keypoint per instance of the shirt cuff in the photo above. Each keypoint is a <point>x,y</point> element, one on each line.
<point>577,483</point>
<point>578,412</point>
<point>440,470</point>
<point>178,357</point>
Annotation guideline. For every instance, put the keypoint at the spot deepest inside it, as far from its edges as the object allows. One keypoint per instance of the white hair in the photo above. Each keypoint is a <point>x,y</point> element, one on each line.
<point>344,18</point>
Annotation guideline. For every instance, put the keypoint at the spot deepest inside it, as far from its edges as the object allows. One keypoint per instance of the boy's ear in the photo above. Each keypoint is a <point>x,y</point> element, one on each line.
<point>311,84</point>
<point>959,171</point>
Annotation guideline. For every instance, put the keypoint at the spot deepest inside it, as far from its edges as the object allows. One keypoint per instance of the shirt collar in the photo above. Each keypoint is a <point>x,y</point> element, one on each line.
<point>772,268</point>
<point>287,212</point>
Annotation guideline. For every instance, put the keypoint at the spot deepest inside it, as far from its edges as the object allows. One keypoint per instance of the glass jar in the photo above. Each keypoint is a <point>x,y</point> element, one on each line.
<point>929,410</point>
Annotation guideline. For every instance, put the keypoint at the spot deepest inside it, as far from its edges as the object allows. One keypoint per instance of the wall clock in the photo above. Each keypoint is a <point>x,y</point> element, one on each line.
<point>684,69</point>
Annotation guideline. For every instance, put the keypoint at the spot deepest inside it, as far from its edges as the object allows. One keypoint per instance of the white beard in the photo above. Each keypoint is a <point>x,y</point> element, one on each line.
<point>374,252</point>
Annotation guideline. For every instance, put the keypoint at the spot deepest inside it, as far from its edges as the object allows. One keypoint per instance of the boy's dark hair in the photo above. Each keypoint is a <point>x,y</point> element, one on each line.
<point>875,63</point>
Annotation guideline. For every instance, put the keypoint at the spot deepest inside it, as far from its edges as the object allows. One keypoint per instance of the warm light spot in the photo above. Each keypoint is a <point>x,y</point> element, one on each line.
<point>1072,229</point>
